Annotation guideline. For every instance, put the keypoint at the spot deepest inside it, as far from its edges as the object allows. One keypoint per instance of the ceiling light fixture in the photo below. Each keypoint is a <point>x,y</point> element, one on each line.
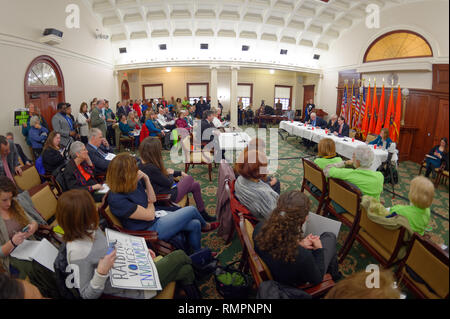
<point>169,69</point>
<point>272,71</point>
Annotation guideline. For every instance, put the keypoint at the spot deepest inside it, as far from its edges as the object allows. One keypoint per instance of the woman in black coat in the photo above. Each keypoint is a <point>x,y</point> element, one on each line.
<point>51,154</point>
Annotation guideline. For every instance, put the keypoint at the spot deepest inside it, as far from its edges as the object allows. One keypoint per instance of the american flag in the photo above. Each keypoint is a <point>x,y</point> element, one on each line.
<point>356,115</point>
<point>344,103</point>
<point>349,119</point>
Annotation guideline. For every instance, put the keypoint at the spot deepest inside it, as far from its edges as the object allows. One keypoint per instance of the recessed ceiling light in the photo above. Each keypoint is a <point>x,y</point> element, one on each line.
<point>272,71</point>
<point>169,69</point>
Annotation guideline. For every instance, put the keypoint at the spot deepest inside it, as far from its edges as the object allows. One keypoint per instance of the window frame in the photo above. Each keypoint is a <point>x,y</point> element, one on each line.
<point>283,99</point>
<point>246,100</point>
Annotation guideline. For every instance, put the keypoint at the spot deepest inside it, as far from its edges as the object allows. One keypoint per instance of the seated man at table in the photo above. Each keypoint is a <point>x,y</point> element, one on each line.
<point>343,130</point>
<point>368,181</point>
<point>290,114</point>
<point>98,148</point>
<point>317,121</point>
<point>333,123</point>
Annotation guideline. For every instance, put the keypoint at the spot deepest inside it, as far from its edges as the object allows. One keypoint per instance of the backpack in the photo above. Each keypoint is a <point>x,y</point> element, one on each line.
<point>60,266</point>
<point>58,173</point>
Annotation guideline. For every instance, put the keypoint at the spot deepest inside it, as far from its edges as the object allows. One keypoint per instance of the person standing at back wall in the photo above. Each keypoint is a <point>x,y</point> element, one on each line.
<point>98,119</point>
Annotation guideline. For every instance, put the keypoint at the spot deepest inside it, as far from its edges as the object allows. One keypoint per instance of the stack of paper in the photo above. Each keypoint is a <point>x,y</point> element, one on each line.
<point>110,156</point>
<point>41,251</point>
<point>317,225</point>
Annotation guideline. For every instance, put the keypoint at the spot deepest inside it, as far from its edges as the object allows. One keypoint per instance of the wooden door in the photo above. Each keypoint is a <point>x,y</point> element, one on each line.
<point>308,94</point>
<point>47,103</point>
<point>442,122</point>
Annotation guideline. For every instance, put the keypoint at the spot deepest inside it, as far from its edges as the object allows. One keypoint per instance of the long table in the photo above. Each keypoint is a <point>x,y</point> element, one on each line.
<point>233,141</point>
<point>344,146</point>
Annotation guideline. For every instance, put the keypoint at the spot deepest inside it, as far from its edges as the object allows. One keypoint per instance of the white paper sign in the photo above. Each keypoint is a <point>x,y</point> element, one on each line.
<point>134,267</point>
<point>110,156</point>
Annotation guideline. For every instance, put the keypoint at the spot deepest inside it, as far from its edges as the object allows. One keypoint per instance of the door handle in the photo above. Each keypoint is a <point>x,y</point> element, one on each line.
<point>429,134</point>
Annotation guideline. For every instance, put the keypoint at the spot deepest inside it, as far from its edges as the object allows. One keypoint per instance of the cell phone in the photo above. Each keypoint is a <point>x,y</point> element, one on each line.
<point>174,185</point>
<point>25,229</point>
<point>111,247</point>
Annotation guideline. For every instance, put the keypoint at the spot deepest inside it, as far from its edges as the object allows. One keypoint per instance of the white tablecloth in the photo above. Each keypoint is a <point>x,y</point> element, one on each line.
<point>235,141</point>
<point>344,145</point>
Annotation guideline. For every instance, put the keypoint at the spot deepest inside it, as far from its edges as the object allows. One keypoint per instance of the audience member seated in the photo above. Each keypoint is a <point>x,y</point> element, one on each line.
<point>207,127</point>
<point>132,200</point>
<point>79,172</point>
<point>87,248</point>
<point>9,163</point>
<point>292,258</point>
<point>327,153</point>
<point>343,130</point>
<point>37,135</point>
<point>127,130</point>
<point>259,198</point>
<point>51,154</point>
<point>290,113</point>
<point>333,123</point>
<point>421,194</point>
<point>383,141</point>
<point>162,120</point>
<point>191,115</point>
<point>11,288</point>
<point>369,182</point>
<point>162,179</point>
<point>216,119</point>
<point>355,287</point>
<point>439,155</point>
<point>13,219</point>
<point>182,121</point>
<point>259,145</point>
<point>155,129</point>
<point>133,122</point>
<point>20,152</point>
<point>98,148</point>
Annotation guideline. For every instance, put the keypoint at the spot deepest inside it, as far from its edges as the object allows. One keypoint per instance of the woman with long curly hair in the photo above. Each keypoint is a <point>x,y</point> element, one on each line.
<point>292,258</point>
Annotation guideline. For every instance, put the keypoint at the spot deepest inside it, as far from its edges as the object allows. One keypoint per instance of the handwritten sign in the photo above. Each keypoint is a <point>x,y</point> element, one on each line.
<point>21,117</point>
<point>133,267</point>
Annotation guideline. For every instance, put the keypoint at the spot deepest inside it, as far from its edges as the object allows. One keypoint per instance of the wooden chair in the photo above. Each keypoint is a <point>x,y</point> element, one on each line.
<point>382,243</point>
<point>196,157</point>
<point>371,137</point>
<point>29,179</point>
<point>259,270</point>
<point>151,237</point>
<point>441,173</point>
<point>45,201</point>
<point>123,141</point>
<point>348,197</point>
<point>50,179</point>
<point>430,263</point>
<point>314,175</point>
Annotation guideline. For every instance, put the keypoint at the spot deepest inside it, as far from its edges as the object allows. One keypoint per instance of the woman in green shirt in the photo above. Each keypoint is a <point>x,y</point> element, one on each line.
<point>327,153</point>
<point>421,194</point>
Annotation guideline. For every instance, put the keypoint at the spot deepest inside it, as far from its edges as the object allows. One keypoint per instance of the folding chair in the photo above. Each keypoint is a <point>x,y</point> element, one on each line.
<point>313,176</point>
<point>430,263</point>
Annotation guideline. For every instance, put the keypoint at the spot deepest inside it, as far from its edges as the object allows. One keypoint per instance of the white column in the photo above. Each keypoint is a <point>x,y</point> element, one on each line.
<point>118,87</point>
<point>213,88</point>
<point>233,96</point>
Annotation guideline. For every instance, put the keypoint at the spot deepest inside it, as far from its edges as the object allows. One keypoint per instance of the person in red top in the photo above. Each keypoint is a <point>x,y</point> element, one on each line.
<point>137,107</point>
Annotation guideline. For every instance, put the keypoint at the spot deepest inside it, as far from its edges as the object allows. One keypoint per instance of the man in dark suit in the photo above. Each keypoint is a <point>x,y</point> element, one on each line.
<point>343,130</point>
<point>317,121</point>
<point>207,123</point>
<point>201,107</point>
<point>98,148</point>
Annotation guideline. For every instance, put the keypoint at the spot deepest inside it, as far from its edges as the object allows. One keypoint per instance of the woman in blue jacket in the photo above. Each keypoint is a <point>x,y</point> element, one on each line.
<point>382,140</point>
<point>37,135</point>
<point>127,130</point>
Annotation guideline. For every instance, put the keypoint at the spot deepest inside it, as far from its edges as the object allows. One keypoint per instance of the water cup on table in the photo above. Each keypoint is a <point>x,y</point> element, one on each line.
<point>326,131</point>
<point>353,140</point>
<point>375,146</point>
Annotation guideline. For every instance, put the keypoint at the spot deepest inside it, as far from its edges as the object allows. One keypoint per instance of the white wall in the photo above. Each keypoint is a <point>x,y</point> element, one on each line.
<point>428,18</point>
<point>86,63</point>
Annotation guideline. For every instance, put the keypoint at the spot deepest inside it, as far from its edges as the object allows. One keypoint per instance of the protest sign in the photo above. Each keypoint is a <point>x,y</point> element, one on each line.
<point>133,267</point>
<point>21,116</point>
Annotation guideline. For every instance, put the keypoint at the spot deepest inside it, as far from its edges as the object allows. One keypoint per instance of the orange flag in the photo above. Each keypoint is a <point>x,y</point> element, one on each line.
<point>380,118</point>
<point>374,111</point>
<point>395,130</point>
<point>365,125</point>
<point>390,110</point>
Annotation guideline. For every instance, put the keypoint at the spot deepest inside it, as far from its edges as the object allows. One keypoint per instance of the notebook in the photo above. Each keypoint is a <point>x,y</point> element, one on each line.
<point>317,225</point>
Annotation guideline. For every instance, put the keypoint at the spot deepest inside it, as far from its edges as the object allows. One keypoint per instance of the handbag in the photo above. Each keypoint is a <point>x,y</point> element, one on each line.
<point>231,283</point>
<point>203,262</point>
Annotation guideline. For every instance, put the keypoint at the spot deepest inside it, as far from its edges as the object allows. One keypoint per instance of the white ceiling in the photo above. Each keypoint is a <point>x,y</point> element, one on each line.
<point>303,27</point>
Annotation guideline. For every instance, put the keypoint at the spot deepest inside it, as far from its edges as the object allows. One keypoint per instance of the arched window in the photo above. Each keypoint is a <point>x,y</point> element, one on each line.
<point>44,86</point>
<point>400,44</point>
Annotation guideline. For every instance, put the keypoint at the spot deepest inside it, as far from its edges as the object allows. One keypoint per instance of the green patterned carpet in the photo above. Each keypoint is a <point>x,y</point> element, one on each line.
<point>290,173</point>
